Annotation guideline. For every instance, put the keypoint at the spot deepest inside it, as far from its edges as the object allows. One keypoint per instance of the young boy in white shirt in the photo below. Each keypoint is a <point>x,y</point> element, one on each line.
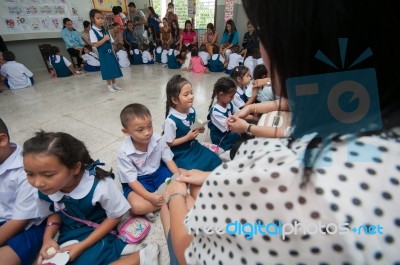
<point>16,74</point>
<point>234,59</point>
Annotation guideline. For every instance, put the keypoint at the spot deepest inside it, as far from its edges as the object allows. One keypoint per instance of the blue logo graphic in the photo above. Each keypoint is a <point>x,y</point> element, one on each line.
<point>341,102</point>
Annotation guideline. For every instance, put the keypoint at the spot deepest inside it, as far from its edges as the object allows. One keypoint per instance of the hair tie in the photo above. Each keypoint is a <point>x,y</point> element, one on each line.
<point>92,167</point>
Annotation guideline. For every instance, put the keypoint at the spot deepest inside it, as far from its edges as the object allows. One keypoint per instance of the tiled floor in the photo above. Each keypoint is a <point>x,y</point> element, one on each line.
<point>82,106</point>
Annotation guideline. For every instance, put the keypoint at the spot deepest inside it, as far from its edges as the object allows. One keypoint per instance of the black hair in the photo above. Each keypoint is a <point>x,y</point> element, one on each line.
<point>239,72</point>
<point>233,29</point>
<point>65,147</point>
<point>92,13</point>
<point>211,26</point>
<point>54,50</point>
<point>215,49</point>
<point>4,129</point>
<point>203,48</point>
<point>224,85</point>
<point>132,4</point>
<point>65,20</point>
<point>165,46</point>
<point>194,52</point>
<point>115,24</point>
<point>170,4</point>
<point>172,46</point>
<point>119,9</point>
<point>89,47</point>
<point>256,53</point>
<point>235,48</point>
<point>86,24</point>
<point>115,10</point>
<point>158,43</point>
<point>175,32</point>
<point>153,12</point>
<point>260,71</point>
<point>8,56</point>
<point>145,47</point>
<point>133,111</point>
<point>173,89</point>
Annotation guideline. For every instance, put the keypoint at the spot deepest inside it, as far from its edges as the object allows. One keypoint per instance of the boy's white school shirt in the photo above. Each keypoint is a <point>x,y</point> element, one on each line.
<point>250,63</point>
<point>17,74</point>
<point>17,196</point>
<point>169,126</point>
<point>205,57</point>
<point>215,56</point>
<point>123,58</point>
<point>164,56</point>
<point>93,37</point>
<point>237,101</point>
<point>159,49</point>
<point>91,59</point>
<point>260,61</point>
<point>133,163</point>
<point>106,193</point>
<point>146,57</point>
<point>234,60</point>
<point>219,119</point>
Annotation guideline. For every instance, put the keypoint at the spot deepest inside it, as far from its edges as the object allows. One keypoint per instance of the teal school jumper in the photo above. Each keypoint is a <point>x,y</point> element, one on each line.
<point>105,251</point>
<point>136,58</point>
<point>158,55</point>
<point>109,66</point>
<point>61,68</point>
<point>191,154</point>
<point>216,65</point>
<point>225,140</point>
<point>172,62</point>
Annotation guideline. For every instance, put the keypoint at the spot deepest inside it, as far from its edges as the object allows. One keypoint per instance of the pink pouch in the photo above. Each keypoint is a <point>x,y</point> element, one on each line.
<point>134,230</point>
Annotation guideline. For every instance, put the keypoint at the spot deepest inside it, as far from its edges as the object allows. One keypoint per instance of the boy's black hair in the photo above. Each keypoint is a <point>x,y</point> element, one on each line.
<point>133,111</point>
<point>89,47</point>
<point>215,49</point>
<point>260,71</point>
<point>145,47</point>
<point>8,56</point>
<point>194,52</point>
<point>86,24</point>
<point>4,129</point>
<point>158,43</point>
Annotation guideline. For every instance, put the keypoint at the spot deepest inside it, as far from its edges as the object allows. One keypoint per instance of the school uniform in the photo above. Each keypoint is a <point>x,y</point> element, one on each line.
<point>108,62</point>
<point>158,52</point>
<point>136,57</point>
<point>60,65</point>
<point>216,63</point>
<point>164,57</point>
<point>17,75</point>
<point>172,61</point>
<point>218,131</point>
<point>240,98</point>
<point>266,94</point>
<point>18,202</point>
<point>186,63</point>
<point>260,61</point>
<point>123,59</point>
<point>234,60</point>
<point>250,63</point>
<point>92,200</point>
<point>191,154</point>
<point>146,58</point>
<point>146,167</point>
<point>92,62</point>
<point>205,56</point>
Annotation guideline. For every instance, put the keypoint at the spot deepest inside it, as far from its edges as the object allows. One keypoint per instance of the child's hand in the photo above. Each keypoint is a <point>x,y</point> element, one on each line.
<point>192,134</point>
<point>107,37</point>
<point>44,254</point>
<point>75,250</point>
<point>156,199</point>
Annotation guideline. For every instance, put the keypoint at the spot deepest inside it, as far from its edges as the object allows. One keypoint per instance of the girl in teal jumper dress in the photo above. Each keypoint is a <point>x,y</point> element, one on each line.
<point>188,152</point>
<point>101,39</point>
<point>70,183</point>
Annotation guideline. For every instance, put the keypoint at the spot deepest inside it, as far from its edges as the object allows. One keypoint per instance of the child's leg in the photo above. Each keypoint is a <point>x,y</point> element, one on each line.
<point>8,256</point>
<point>140,205</point>
<point>165,219</point>
<point>114,85</point>
<point>146,256</point>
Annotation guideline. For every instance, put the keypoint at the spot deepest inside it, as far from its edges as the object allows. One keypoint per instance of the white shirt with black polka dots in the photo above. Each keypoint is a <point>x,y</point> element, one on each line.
<point>262,184</point>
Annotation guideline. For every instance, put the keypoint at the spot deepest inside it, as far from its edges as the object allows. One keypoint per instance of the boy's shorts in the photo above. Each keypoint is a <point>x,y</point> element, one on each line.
<point>27,243</point>
<point>152,181</point>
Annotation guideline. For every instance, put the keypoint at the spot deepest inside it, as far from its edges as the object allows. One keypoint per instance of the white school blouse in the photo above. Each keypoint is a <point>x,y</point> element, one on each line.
<point>215,56</point>
<point>169,126</point>
<point>122,57</point>
<point>133,163</point>
<point>164,57</point>
<point>91,59</point>
<point>234,60</point>
<point>93,37</point>
<point>146,57</point>
<point>237,101</point>
<point>219,119</point>
<point>17,74</point>
<point>106,193</point>
<point>17,196</point>
<point>205,57</point>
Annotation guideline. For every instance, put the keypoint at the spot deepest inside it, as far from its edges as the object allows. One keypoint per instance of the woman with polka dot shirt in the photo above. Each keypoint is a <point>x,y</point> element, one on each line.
<point>335,183</point>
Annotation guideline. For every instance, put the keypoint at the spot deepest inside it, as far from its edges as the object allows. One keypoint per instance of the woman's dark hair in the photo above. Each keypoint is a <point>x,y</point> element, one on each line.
<point>239,72</point>
<point>194,52</point>
<point>8,56</point>
<point>65,147</point>
<point>233,29</point>
<point>188,22</point>
<point>65,20</point>
<point>54,50</point>
<point>175,32</point>
<point>260,71</point>
<point>224,85</point>
<point>174,87</point>
<point>86,24</point>
<point>152,11</point>
<point>211,26</point>
<point>115,10</point>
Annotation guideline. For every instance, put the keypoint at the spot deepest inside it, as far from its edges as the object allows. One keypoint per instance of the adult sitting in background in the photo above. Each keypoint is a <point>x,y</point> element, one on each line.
<point>210,38</point>
<point>85,33</point>
<point>250,41</point>
<point>165,34</point>
<point>337,183</point>
<point>131,39</point>
<point>138,19</point>
<point>73,40</point>
<point>229,38</point>
<point>189,36</point>
<point>170,15</point>
<point>176,35</point>
<point>154,20</point>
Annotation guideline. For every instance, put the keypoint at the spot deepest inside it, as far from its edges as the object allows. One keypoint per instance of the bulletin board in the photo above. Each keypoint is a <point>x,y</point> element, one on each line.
<point>107,5</point>
<point>35,18</point>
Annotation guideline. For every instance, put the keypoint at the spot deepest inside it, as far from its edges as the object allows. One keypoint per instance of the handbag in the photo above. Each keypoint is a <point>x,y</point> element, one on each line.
<point>131,231</point>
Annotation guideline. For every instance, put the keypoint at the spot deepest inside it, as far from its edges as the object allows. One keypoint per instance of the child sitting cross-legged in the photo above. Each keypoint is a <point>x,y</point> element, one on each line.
<point>144,160</point>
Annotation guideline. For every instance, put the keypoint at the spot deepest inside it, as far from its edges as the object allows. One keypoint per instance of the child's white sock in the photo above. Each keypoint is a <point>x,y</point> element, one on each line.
<point>116,87</point>
<point>149,254</point>
<point>111,89</point>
